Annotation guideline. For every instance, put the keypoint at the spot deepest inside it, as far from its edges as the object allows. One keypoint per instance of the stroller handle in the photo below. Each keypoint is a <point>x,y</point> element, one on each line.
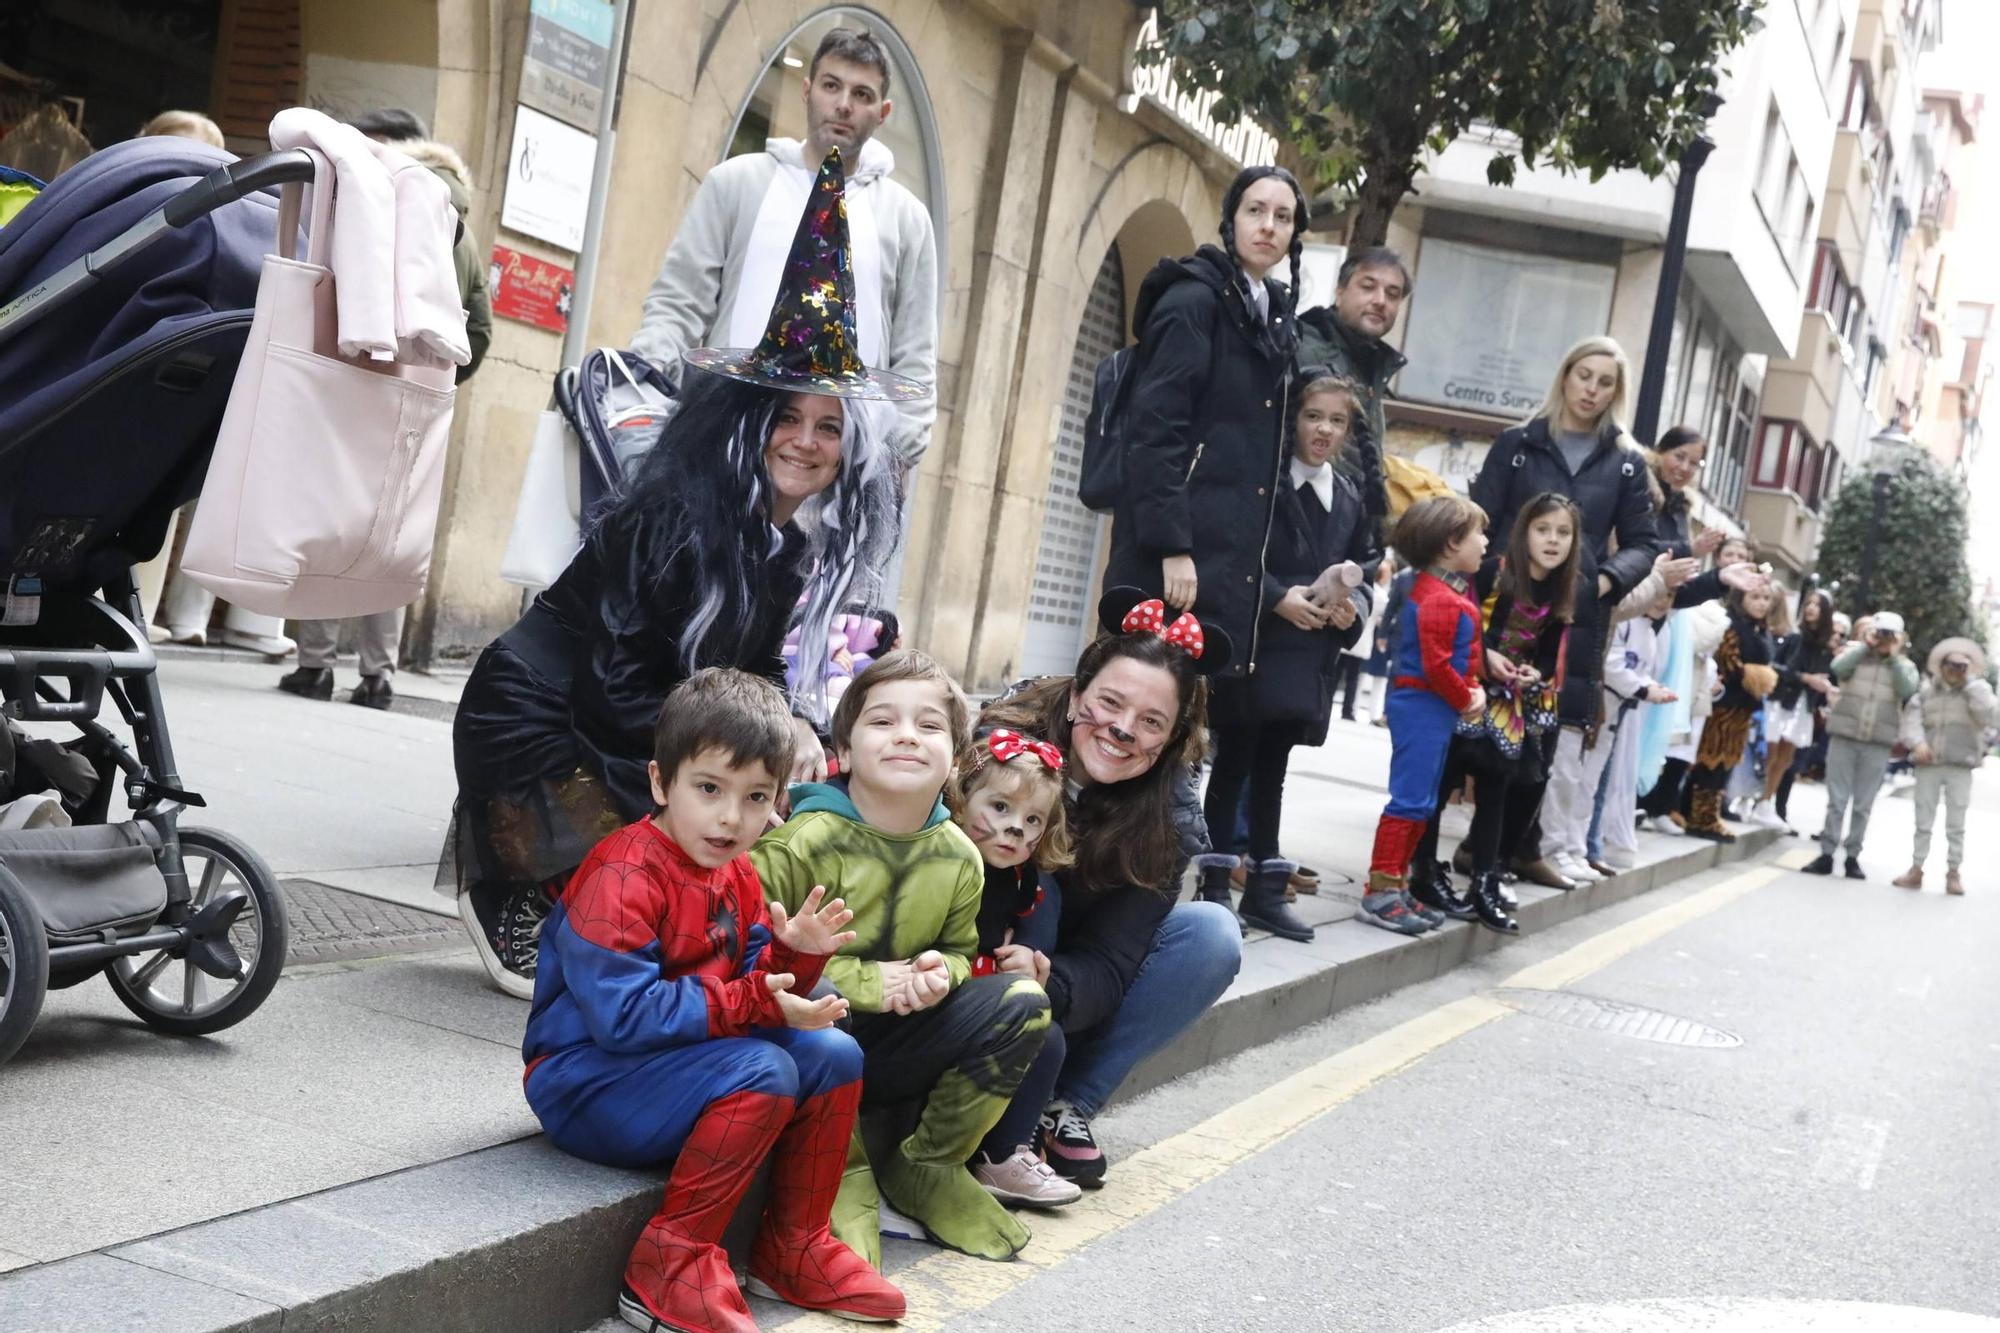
<point>224,185</point>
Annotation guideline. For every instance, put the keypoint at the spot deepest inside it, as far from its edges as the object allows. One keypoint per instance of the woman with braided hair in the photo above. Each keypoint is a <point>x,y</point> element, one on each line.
<point>1205,420</point>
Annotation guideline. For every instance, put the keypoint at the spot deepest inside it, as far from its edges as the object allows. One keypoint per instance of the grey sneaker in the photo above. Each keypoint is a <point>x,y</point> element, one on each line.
<point>1025,1181</point>
<point>1391,911</point>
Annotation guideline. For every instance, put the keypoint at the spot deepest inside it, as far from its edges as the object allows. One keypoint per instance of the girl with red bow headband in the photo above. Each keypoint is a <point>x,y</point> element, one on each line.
<point>1009,801</point>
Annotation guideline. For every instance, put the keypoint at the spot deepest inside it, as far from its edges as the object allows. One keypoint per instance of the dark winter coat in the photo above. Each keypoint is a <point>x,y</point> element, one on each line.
<point>1612,489</point>
<point>1294,684</point>
<point>1327,346</point>
<point>579,680</point>
<point>1204,441</point>
<point>1677,537</point>
<point>1798,656</point>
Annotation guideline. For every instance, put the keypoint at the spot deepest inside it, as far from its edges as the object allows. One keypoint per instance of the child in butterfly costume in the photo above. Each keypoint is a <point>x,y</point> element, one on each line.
<point>1529,596</point>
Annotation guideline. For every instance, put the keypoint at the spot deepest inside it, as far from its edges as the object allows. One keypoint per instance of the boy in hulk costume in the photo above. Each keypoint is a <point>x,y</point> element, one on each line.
<point>880,839</point>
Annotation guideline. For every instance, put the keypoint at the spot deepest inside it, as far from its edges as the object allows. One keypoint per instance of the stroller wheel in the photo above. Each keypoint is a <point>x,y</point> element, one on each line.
<point>174,994</point>
<point>24,964</point>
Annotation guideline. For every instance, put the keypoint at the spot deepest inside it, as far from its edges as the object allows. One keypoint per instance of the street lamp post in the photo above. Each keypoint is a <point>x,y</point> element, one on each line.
<point>1653,378</point>
<point>1884,457</point>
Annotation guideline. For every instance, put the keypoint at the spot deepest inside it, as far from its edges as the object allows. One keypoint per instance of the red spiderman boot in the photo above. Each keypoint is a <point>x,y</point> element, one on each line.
<point>678,1279</point>
<point>796,1259</point>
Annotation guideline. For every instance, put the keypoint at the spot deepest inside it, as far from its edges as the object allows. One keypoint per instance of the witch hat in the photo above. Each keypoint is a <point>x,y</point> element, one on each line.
<point>809,345</point>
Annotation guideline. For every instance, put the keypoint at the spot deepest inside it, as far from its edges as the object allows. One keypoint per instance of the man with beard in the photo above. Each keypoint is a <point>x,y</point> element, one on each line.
<point>1345,339</point>
<point>721,273</point>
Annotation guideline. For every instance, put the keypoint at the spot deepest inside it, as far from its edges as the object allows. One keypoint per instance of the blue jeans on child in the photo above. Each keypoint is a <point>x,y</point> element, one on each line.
<point>1195,955</point>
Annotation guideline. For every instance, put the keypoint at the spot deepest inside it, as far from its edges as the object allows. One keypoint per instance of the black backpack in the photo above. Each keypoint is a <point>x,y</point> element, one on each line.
<point>1100,481</point>
<point>1101,478</point>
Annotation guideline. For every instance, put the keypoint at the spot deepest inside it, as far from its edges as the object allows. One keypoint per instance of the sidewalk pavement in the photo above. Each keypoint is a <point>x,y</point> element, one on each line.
<point>358,1069</point>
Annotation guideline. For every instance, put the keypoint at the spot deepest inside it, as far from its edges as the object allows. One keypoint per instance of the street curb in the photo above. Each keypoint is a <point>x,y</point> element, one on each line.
<point>522,1237</point>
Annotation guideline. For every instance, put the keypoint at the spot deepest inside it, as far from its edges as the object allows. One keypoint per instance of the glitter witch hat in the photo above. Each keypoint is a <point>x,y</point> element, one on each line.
<point>809,345</point>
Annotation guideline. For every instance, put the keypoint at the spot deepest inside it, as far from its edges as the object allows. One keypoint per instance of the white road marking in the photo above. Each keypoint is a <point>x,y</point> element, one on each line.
<point>1852,1153</point>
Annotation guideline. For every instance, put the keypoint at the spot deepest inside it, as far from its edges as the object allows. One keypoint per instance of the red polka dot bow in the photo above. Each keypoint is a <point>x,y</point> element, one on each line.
<point>1150,617</point>
<point>1005,745</point>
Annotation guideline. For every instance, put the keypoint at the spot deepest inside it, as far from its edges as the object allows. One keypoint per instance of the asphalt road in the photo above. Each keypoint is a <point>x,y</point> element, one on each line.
<point>1445,1160</point>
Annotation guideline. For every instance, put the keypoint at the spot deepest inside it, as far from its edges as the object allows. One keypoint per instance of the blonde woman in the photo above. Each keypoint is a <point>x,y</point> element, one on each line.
<point>1577,445</point>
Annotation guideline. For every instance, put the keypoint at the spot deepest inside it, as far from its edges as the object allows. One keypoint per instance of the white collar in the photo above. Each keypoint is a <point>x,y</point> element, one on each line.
<point>1319,478</point>
<point>1260,295</point>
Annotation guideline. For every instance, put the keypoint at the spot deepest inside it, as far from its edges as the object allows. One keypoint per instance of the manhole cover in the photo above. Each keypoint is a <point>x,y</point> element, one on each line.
<point>1615,1018</point>
<point>329,924</point>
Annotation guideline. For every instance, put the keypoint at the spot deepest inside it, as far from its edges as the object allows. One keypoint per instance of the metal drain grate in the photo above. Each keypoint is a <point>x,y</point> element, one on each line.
<point>1615,1017</point>
<point>330,924</point>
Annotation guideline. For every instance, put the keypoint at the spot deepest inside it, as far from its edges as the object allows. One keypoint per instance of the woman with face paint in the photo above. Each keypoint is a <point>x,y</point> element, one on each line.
<point>1128,969</point>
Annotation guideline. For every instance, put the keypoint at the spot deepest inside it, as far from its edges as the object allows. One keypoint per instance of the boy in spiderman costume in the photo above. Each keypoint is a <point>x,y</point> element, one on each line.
<point>670,1023</point>
<point>1434,683</point>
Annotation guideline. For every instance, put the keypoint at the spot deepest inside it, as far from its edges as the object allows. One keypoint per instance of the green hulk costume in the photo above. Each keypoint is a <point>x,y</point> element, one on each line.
<point>962,1057</point>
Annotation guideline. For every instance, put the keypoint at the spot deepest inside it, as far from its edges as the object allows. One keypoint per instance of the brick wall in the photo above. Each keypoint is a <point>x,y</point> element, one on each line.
<point>259,68</point>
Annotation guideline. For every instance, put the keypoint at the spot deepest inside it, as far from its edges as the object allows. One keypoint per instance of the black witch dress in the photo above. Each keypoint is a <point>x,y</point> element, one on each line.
<point>555,727</point>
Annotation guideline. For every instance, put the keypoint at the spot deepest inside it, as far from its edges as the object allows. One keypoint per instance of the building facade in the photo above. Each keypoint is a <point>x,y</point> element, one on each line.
<point>1862,354</point>
<point>1507,278</point>
<point>1056,173</point>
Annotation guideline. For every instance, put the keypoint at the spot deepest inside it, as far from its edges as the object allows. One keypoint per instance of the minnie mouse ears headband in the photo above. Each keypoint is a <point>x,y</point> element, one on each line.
<point>1130,611</point>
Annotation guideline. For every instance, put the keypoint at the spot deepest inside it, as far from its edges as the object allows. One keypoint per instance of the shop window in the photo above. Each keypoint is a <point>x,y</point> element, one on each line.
<point>1494,324</point>
<point>775,107</point>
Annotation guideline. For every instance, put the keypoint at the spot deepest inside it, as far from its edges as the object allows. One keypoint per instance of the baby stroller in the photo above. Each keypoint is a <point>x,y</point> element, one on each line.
<point>128,288</point>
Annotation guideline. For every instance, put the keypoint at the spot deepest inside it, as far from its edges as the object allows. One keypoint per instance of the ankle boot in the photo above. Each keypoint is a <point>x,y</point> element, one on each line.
<point>1213,878</point>
<point>1492,911</point>
<point>1430,884</point>
<point>1264,902</point>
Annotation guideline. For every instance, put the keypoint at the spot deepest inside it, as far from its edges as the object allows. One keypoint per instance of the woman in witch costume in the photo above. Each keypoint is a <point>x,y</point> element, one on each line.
<point>769,496</point>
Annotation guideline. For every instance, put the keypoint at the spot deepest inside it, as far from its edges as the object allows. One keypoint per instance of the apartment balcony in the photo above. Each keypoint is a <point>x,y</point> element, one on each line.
<point>1844,217</point>
<point>1785,530</point>
<point>1804,388</point>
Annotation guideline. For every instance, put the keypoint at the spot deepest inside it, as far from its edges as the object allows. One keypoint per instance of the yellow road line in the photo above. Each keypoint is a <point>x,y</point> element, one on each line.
<point>946,1286</point>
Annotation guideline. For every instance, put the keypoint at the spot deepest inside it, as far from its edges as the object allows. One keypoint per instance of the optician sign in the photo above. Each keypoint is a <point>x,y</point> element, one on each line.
<point>548,179</point>
<point>1245,143</point>
<point>1492,325</point>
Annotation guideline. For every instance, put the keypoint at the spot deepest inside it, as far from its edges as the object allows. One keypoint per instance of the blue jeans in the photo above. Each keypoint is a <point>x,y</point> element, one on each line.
<point>1593,844</point>
<point>1195,954</point>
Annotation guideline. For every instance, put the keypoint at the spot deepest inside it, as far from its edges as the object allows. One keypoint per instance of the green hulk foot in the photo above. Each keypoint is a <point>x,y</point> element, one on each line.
<point>857,1208</point>
<point>954,1209</point>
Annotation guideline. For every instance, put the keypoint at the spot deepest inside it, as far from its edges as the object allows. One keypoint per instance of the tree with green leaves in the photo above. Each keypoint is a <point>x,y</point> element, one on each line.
<point>1364,88</point>
<point>1919,569</point>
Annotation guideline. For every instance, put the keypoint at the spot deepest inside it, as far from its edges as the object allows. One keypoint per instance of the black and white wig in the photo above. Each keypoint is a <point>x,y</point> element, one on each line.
<point>705,490</point>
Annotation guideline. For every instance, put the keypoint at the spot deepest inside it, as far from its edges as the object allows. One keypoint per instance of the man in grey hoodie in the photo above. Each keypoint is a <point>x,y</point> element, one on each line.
<point>720,274</point>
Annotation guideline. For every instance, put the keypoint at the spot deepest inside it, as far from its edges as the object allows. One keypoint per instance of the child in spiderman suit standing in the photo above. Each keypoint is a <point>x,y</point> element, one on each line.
<point>670,1022</point>
<point>1434,682</point>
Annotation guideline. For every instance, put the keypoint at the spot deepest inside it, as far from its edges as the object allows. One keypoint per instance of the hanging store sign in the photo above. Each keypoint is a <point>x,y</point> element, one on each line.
<point>531,290</point>
<point>548,179</point>
<point>1245,143</point>
<point>1494,325</point>
<point>569,49</point>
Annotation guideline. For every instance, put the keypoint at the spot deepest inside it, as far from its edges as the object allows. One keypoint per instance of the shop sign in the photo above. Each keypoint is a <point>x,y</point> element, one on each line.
<point>1490,327</point>
<point>531,290</point>
<point>548,179</point>
<point>1245,143</point>
<point>569,50</point>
